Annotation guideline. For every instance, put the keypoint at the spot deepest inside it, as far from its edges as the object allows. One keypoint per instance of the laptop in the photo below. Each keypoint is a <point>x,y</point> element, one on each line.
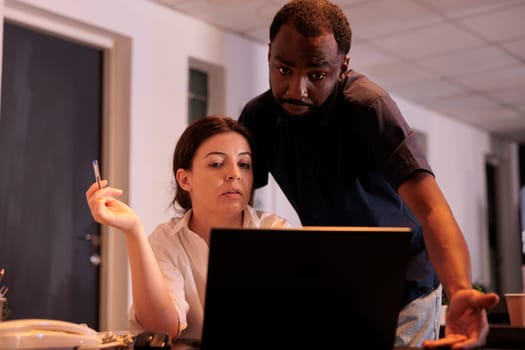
<point>304,288</point>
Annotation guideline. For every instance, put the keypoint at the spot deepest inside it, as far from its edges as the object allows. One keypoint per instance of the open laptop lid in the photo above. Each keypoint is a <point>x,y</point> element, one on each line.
<point>314,287</point>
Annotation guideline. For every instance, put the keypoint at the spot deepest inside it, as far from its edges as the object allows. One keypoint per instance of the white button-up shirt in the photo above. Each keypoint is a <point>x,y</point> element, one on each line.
<point>182,256</point>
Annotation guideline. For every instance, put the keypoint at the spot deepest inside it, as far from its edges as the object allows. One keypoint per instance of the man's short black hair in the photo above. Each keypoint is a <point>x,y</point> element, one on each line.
<point>311,18</point>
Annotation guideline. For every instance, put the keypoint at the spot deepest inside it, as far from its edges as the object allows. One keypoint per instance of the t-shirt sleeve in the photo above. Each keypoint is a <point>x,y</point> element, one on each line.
<point>401,155</point>
<point>406,160</point>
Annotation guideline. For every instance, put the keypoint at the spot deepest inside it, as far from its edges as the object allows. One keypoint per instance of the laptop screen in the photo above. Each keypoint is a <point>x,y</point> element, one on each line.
<point>313,287</point>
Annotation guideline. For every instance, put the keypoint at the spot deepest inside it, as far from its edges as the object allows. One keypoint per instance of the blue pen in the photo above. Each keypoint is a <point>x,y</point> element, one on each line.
<point>97,172</point>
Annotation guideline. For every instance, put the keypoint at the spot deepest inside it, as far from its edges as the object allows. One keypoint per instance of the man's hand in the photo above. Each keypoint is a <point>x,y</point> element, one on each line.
<point>466,325</point>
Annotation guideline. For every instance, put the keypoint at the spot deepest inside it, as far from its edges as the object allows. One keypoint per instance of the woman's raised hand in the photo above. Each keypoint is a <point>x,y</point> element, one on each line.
<point>108,210</point>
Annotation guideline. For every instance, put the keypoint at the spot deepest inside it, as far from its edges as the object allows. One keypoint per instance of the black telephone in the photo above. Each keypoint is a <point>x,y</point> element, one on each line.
<point>152,340</point>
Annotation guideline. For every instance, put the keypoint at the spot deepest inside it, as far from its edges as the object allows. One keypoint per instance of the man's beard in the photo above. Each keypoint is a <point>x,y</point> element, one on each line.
<point>311,108</point>
<point>314,110</point>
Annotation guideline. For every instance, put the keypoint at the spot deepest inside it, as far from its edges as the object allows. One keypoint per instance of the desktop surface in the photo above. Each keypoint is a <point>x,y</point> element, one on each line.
<point>500,337</point>
<point>193,344</point>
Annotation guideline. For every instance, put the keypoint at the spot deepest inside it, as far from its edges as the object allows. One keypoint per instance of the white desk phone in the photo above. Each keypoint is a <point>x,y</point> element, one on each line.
<point>47,334</point>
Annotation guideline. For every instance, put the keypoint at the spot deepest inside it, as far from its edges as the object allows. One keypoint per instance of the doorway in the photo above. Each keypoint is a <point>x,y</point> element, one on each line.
<point>50,131</point>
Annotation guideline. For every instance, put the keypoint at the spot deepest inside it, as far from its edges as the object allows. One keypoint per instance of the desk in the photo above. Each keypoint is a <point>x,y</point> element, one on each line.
<point>186,344</point>
<point>192,345</point>
<point>502,336</point>
<point>506,337</point>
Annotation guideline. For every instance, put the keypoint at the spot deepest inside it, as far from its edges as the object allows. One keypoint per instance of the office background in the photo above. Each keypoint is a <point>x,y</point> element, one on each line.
<point>149,51</point>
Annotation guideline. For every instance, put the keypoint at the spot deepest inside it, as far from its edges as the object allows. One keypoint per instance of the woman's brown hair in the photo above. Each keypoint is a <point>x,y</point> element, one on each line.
<point>189,142</point>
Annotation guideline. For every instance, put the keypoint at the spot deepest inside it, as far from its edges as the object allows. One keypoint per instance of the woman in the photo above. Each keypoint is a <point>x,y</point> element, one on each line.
<point>212,165</point>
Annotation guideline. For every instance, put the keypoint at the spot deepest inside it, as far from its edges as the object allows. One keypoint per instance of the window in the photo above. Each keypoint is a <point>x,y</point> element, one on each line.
<point>206,89</point>
<point>198,95</point>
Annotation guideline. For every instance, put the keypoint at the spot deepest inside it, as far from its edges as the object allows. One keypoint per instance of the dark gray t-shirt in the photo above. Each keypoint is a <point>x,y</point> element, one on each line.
<point>342,165</point>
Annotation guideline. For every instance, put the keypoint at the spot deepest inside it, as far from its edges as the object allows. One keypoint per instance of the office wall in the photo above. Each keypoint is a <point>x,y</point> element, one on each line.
<point>162,41</point>
<point>457,155</point>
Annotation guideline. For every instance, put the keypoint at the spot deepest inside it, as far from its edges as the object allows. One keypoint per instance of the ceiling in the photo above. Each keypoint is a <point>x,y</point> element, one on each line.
<point>462,58</point>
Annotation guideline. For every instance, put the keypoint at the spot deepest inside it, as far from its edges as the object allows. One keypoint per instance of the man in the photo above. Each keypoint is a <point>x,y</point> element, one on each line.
<point>342,153</point>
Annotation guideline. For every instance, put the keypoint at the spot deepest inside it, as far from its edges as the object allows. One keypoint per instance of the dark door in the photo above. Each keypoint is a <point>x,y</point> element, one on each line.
<point>50,131</point>
<point>491,173</point>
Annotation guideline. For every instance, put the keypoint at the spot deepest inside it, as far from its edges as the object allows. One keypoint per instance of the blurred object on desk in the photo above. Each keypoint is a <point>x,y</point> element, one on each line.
<point>3,315</point>
<point>152,340</point>
<point>46,334</point>
<point>516,308</point>
<point>4,311</point>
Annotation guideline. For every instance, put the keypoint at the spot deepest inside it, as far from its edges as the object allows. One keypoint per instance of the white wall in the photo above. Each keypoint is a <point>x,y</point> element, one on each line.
<point>457,154</point>
<point>162,42</point>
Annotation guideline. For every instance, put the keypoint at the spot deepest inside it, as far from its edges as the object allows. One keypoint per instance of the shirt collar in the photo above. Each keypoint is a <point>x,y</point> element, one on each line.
<point>250,219</point>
